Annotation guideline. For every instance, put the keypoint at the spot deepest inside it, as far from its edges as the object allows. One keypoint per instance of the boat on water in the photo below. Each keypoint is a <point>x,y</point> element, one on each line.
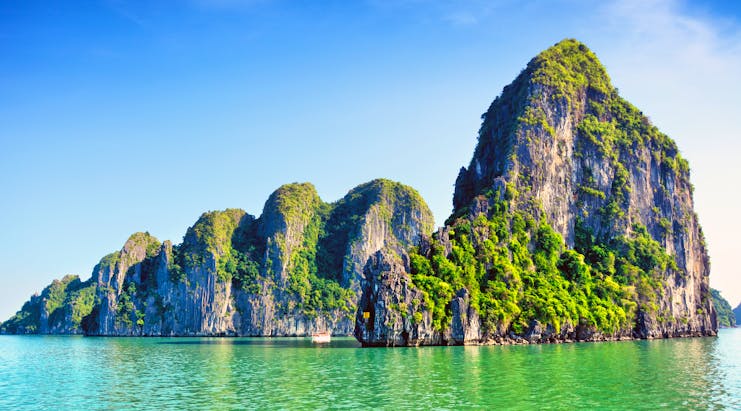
<point>319,338</point>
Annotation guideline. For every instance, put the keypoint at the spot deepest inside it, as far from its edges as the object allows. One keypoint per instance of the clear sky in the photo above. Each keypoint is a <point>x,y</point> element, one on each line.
<point>122,116</point>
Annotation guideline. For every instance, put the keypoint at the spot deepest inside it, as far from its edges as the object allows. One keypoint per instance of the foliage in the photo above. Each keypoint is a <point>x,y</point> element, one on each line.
<point>56,293</point>
<point>616,128</point>
<point>210,235</point>
<point>82,303</point>
<point>317,263</point>
<point>535,116</point>
<point>24,321</point>
<point>636,262</point>
<point>724,313</point>
<point>342,220</point>
<point>175,265</point>
<point>567,67</point>
<point>518,270</point>
<point>241,269</point>
<point>314,290</point>
<point>126,308</point>
<point>592,192</point>
<point>110,260</point>
<point>67,298</point>
<point>148,241</point>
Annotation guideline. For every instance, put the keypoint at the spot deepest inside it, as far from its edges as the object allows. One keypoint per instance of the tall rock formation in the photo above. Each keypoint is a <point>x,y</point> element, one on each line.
<point>119,277</point>
<point>59,309</point>
<point>315,254</point>
<point>295,270</point>
<point>573,221</point>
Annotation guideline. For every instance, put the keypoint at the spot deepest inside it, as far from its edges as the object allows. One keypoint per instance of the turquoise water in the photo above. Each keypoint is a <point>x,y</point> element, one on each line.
<point>39,372</point>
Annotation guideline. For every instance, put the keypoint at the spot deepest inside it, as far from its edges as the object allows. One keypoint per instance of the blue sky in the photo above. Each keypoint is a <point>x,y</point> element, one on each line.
<point>123,116</point>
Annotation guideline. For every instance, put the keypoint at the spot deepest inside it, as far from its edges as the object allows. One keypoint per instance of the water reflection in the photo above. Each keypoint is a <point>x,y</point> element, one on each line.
<point>277,342</point>
<point>289,373</point>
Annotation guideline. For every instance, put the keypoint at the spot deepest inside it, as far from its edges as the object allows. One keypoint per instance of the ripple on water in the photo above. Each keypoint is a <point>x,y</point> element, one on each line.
<point>290,373</point>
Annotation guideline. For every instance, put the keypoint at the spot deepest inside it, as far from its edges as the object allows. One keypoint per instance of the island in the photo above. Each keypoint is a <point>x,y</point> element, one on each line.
<point>573,221</point>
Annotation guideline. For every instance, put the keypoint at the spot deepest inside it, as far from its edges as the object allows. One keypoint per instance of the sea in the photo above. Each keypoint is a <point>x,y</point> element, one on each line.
<point>104,373</point>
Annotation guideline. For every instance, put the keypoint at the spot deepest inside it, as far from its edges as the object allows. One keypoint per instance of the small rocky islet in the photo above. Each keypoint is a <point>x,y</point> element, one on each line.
<point>574,221</point>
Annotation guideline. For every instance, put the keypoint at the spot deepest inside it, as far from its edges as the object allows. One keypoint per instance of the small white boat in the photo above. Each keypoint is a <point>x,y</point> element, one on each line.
<point>319,338</point>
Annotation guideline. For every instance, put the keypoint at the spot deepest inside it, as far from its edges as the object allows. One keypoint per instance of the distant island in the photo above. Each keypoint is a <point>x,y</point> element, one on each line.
<point>574,221</point>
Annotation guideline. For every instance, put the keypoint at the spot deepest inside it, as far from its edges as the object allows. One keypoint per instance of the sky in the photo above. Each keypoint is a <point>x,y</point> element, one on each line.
<point>123,116</point>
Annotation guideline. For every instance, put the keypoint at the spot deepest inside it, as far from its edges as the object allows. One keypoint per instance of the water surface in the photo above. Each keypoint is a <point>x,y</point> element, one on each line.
<point>56,372</point>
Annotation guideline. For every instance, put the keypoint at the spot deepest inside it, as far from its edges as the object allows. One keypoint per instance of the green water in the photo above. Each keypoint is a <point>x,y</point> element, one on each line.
<point>216,373</point>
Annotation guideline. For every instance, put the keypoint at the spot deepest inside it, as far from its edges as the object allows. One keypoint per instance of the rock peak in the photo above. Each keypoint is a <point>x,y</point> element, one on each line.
<point>569,65</point>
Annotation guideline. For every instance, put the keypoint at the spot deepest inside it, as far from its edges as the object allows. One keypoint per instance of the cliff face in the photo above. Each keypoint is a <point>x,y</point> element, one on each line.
<point>58,309</point>
<point>119,281</point>
<point>315,254</point>
<point>393,311</point>
<point>294,271</point>
<point>291,296</point>
<point>573,221</point>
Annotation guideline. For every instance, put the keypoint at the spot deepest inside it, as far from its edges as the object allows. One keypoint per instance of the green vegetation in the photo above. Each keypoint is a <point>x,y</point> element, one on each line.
<point>345,217</point>
<point>229,238</point>
<point>24,321</point>
<point>314,285</point>
<point>146,240</point>
<point>341,224</point>
<point>131,301</point>
<point>535,116</point>
<point>514,265</point>
<point>65,301</point>
<point>568,67</point>
<point>56,293</point>
<point>126,308</point>
<point>312,238</point>
<point>616,128</point>
<point>242,269</point>
<point>82,303</point>
<point>77,302</point>
<point>592,192</point>
<point>175,264</point>
<point>725,315</point>
<point>505,114</point>
<point>110,260</point>
<point>318,237</point>
<point>128,315</point>
<point>567,76</point>
<point>570,75</point>
<point>517,269</point>
<point>210,235</point>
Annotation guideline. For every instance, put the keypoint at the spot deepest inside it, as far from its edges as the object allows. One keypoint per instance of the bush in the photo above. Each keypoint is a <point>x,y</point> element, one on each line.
<point>597,283</point>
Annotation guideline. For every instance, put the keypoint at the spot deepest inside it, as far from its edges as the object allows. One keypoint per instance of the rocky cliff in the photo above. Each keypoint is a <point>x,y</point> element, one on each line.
<point>59,309</point>
<point>573,221</point>
<point>316,252</point>
<point>294,270</point>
